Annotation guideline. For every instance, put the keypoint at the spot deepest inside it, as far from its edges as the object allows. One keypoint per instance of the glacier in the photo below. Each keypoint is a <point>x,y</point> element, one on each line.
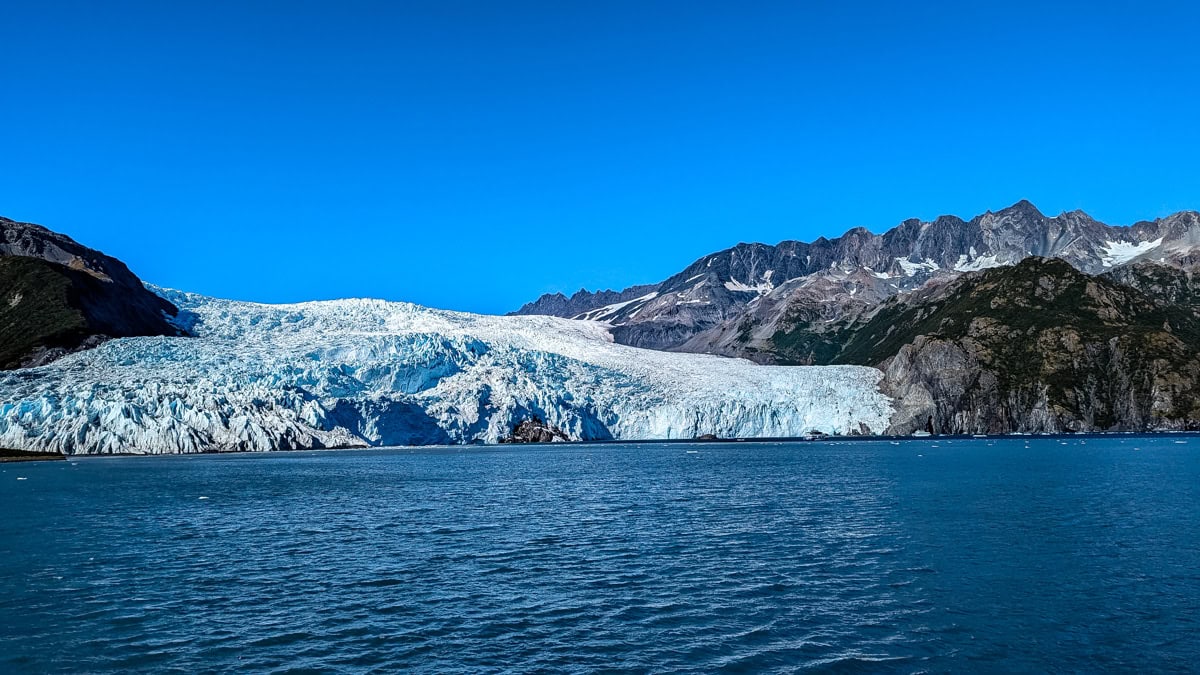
<point>360,373</point>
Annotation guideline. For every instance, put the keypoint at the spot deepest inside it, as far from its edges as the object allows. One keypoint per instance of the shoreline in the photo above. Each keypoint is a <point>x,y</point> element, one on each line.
<point>881,437</point>
<point>8,455</point>
<point>799,440</point>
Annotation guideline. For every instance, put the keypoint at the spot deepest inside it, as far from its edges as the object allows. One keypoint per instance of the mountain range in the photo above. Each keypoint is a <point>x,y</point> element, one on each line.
<point>1009,322</point>
<point>741,301</point>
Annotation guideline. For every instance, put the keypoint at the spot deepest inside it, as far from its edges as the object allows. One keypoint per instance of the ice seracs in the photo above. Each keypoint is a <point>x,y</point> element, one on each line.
<point>369,372</point>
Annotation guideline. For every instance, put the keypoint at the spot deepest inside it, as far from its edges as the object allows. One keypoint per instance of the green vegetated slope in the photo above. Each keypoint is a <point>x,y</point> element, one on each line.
<point>1038,346</point>
<point>48,309</point>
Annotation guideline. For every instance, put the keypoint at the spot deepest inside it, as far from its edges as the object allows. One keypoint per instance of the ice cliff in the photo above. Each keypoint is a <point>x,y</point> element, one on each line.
<point>369,372</point>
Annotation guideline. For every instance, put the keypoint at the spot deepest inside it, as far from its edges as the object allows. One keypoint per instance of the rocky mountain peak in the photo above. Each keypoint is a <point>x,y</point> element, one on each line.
<point>1022,209</point>
<point>723,301</point>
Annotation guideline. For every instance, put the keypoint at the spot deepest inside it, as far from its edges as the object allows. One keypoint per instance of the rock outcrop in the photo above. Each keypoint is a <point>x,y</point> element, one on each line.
<point>534,430</point>
<point>1037,347</point>
<point>57,296</point>
<point>1172,284</point>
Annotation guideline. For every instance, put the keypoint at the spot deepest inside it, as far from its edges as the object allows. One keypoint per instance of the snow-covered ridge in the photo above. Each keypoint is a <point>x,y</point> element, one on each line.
<point>369,372</point>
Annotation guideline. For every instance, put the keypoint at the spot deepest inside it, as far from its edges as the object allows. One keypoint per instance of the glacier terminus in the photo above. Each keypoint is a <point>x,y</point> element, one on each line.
<point>355,373</point>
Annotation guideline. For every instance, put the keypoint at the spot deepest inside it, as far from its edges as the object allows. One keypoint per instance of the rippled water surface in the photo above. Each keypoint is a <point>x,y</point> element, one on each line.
<point>926,556</point>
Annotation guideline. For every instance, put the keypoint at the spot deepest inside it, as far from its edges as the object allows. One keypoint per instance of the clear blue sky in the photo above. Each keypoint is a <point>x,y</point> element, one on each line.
<point>474,155</point>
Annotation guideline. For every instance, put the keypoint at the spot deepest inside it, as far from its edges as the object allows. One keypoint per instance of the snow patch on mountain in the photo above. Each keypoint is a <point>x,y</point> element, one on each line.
<point>369,372</point>
<point>974,263</point>
<point>1120,252</point>
<point>608,311</point>
<point>911,268</point>
<point>761,288</point>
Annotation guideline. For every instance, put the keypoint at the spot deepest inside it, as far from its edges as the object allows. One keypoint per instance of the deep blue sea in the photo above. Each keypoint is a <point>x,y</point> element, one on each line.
<point>1021,554</point>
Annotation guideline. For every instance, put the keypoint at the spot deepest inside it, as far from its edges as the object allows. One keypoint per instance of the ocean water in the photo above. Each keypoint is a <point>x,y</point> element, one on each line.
<point>1032,554</point>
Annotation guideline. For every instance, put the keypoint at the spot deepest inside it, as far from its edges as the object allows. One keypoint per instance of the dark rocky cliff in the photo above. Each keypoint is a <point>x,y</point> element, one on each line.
<point>57,296</point>
<point>1036,347</point>
<point>535,430</point>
